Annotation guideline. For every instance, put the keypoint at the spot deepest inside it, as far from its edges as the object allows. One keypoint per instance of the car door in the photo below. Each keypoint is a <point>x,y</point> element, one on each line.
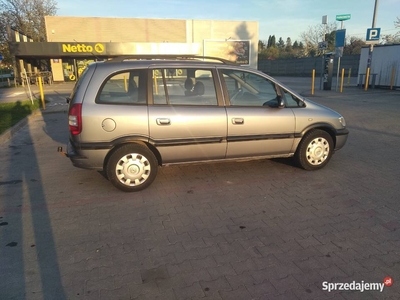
<point>187,121</point>
<point>257,125</point>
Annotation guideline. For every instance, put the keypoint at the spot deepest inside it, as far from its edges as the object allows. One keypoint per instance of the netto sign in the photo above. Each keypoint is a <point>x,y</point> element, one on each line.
<point>82,48</point>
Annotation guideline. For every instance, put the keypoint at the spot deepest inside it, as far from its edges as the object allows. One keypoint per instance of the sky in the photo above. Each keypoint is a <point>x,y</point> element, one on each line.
<point>282,18</point>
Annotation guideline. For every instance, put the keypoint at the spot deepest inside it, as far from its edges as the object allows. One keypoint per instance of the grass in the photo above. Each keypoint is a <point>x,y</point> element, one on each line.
<point>12,113</point>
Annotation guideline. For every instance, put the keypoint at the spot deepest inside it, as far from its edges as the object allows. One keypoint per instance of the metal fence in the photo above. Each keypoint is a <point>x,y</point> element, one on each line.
<point>304,66</point>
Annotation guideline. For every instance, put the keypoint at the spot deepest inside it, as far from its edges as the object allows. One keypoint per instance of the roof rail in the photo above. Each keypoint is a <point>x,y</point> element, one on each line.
<point>168,56</point>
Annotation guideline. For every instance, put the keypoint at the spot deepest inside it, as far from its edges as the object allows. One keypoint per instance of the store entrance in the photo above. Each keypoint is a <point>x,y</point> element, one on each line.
<point>73,68</point>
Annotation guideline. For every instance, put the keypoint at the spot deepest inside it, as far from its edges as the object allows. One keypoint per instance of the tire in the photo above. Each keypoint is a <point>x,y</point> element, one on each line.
<point>315,150</point>
<point>132,167</point>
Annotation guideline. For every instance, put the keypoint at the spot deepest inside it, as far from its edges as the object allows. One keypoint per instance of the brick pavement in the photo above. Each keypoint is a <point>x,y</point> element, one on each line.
<point>246,230</point>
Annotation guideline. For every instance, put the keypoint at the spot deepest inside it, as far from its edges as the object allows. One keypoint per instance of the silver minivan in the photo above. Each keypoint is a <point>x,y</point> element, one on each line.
<point>130,115</point>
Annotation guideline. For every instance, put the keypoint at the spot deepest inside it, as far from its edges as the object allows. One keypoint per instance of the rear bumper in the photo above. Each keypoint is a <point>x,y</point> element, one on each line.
<point>77,160</point>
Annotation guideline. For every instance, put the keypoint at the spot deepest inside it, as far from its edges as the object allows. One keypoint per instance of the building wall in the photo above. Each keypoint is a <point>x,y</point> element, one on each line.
<point>385,64</point>
<point>94,29</point>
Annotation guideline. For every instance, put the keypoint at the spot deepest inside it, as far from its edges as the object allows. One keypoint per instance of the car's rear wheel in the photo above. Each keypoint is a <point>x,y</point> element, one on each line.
<point>315,150</point>
<point>132,167</point>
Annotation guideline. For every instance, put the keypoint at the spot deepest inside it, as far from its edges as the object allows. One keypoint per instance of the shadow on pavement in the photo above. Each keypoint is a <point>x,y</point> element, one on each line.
<point>28,257</point>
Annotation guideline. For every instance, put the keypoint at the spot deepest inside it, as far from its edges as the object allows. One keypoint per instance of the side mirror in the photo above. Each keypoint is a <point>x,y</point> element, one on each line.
<point>281,102</point>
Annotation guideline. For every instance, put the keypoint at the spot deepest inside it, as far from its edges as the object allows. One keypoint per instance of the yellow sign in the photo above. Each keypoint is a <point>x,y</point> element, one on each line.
<point>82,48</point>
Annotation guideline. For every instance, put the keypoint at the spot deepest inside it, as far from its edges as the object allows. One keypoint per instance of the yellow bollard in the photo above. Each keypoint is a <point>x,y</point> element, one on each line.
<point>41,92</point>
<point>341,81</point>
<point>367,79</point>
<point>312,82</point>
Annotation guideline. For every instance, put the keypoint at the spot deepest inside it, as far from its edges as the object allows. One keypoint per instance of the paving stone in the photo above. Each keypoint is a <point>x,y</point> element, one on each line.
<point>192,291</point>
<point>221,270</point>
<point>263,290</point>
<point>238,294</point>
<point>277,226</point>
<point>242,279</point>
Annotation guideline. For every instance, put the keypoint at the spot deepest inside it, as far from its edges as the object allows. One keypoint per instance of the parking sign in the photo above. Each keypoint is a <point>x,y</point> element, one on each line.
<point>373,35</point>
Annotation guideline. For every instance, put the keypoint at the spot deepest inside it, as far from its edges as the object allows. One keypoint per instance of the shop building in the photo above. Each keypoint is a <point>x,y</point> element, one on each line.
<point>74,42</point>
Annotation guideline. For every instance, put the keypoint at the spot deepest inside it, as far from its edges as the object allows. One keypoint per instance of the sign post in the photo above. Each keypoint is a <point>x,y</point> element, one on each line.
<point>373,35</point>
<point>323,46</point>
<point>340,41</point>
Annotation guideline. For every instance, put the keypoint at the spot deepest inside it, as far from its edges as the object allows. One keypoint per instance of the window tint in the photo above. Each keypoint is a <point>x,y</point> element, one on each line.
<point>124,88</point>
<point>248,89</point>
<point>183,87</point>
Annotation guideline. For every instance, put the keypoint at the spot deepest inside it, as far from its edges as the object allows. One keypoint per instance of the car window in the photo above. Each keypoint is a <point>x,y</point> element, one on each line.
<point>124,88</point>
<point>183,87</point>
<point>248,89</point>
<point>292,100</point>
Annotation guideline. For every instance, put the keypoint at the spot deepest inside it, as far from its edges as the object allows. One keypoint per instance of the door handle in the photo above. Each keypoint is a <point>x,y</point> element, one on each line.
<point>163,121</point>
<point>238,121</point>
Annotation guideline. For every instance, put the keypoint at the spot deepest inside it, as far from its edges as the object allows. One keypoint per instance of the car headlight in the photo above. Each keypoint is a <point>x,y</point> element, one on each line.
<point>342,121</point>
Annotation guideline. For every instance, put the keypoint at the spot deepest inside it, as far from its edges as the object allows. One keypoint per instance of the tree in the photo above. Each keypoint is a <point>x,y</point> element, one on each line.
<point>271,41</point>
<point>354,46</point>
<point>392,38</point>
<point>281,44</point>
<point>316,34</point>
<point>289,46</point>
<point>25,16</point>
<point>261,46</point>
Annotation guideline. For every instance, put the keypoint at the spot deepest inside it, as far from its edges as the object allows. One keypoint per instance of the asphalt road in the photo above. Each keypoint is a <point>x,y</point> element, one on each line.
<point>249,230</point>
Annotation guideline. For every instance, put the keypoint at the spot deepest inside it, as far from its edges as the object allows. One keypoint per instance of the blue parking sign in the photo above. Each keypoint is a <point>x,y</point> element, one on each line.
<point>373,34</point>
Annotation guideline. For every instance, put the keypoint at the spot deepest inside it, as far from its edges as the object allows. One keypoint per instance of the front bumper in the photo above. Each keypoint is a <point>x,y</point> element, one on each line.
<point>341,138</point>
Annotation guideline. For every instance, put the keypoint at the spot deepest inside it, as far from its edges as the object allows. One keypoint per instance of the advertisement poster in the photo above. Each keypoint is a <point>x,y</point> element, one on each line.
<point>234,50</point>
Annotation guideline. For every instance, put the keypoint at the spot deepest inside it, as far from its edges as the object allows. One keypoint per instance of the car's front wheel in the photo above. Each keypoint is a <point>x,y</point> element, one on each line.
<point>315,150</point>
<point>132,167</point>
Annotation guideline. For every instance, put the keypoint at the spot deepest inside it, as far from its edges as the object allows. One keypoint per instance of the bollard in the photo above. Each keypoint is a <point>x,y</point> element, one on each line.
<point>41,92</point>
<point>367,79</point>
<point>341,81</point>
<point>125,84</point>
<point>312,82</point>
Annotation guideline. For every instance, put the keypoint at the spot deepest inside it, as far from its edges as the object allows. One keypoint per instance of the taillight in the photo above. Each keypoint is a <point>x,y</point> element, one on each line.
<point>75,119</point>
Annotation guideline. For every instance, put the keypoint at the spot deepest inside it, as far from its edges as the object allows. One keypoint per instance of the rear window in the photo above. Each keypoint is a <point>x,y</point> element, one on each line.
<point>128,87</point>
